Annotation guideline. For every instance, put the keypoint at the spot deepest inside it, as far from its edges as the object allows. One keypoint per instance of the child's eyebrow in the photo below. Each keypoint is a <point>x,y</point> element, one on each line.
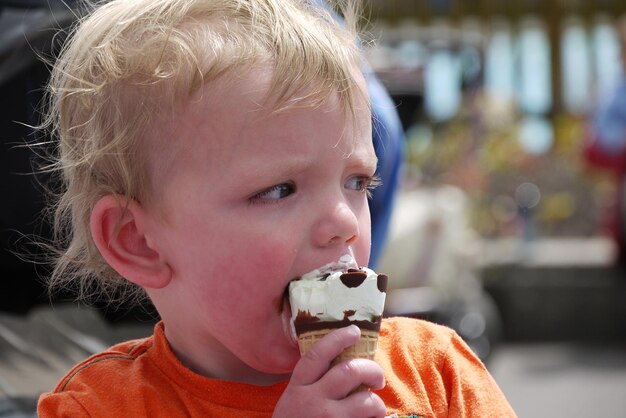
<point>363,159</point>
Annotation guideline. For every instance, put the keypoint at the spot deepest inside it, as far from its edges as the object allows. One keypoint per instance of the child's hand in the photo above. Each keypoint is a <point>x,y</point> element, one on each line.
<point>317,391</point>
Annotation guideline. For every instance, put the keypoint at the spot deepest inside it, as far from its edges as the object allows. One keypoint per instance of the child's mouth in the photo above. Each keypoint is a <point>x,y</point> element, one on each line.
<point>283,308</point>
<point>288,328</point>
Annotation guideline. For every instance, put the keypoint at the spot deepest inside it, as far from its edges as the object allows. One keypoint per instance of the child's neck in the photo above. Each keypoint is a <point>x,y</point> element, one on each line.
<point>227,367</point>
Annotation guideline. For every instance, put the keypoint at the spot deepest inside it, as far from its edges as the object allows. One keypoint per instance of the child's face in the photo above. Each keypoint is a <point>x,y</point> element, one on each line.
<point>251,201</point>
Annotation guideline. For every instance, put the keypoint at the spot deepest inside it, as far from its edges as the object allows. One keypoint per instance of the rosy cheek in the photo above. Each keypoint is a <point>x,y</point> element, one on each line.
<point>274,258</point>
<point>257,260</point>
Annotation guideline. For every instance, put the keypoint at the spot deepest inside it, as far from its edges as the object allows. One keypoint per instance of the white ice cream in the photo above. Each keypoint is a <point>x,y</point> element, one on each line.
<point>329,299</point>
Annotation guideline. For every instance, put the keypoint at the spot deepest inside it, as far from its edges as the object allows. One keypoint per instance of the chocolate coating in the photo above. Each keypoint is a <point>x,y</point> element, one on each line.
<point>353,278</point>
<point>348,314</point>
<point>301,328</point>
<point>305,317</point>
<point>381,283</point>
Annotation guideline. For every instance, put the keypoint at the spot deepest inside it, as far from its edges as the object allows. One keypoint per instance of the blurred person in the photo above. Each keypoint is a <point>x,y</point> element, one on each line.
<point>388,138</point>
<point>605,147</point>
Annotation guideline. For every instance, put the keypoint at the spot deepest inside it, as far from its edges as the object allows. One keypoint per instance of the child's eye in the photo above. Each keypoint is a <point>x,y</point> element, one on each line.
<point>365,184</point>
<point>274,193</point>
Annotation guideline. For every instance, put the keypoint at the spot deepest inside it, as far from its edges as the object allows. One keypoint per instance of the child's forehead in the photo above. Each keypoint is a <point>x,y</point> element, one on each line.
<point>213,119</point>
<point>253,89</point>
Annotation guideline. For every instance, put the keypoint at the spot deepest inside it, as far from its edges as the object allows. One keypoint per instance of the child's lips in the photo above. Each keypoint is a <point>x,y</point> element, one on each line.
<point>280,301</point>
<point>288,328</point>
<point>283,308</point>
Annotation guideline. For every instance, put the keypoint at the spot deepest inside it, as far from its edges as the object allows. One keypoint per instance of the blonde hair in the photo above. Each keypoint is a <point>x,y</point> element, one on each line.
<point>127,61</point>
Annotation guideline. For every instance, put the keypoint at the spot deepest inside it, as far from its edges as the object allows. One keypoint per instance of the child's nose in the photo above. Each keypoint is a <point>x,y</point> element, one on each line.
<point>338,224</point>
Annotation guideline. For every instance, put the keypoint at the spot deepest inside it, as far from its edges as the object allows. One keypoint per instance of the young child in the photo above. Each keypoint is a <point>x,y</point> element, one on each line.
<point>213,150</point>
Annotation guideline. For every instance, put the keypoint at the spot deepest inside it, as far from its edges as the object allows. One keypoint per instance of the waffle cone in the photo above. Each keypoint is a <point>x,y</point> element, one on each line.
<point>365,347</point>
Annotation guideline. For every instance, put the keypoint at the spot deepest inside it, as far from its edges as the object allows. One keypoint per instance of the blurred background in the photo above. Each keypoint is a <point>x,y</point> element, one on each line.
<point>508,223</point>
<point>495,97</point>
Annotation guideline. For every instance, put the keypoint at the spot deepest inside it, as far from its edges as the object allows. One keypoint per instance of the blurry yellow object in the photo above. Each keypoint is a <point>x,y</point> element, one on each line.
<point>557,207</point>
<point>569,135</point>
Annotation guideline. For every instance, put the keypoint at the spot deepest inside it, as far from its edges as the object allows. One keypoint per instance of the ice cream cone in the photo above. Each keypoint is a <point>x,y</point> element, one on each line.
<point>365,347</point>
<point>335,296</point>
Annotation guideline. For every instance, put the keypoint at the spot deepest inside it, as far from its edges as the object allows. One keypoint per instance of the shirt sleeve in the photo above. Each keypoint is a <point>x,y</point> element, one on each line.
<point>60,405</point>
<point>470,388</point>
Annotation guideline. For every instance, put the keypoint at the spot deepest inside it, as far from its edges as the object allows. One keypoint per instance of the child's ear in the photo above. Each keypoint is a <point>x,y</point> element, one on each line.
<point>117,229</point>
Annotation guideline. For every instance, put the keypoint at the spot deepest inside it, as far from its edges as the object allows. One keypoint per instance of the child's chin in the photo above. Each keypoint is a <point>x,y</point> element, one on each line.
<point>283,366</point>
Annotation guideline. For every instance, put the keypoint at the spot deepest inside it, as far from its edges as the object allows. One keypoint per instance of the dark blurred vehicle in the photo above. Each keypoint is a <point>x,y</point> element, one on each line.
<point>28,31</point>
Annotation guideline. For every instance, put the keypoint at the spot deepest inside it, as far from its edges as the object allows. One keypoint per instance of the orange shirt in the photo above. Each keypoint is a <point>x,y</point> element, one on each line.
<point>429,372</point>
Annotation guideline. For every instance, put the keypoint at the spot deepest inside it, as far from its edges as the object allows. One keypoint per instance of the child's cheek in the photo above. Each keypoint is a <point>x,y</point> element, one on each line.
<point>260,259</point>
<point>275,258</point>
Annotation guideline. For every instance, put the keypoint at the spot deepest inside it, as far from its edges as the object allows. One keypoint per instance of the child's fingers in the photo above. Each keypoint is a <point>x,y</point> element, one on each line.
<point>362,404</point>
<point>314,364</point>
<point>349,375</point>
